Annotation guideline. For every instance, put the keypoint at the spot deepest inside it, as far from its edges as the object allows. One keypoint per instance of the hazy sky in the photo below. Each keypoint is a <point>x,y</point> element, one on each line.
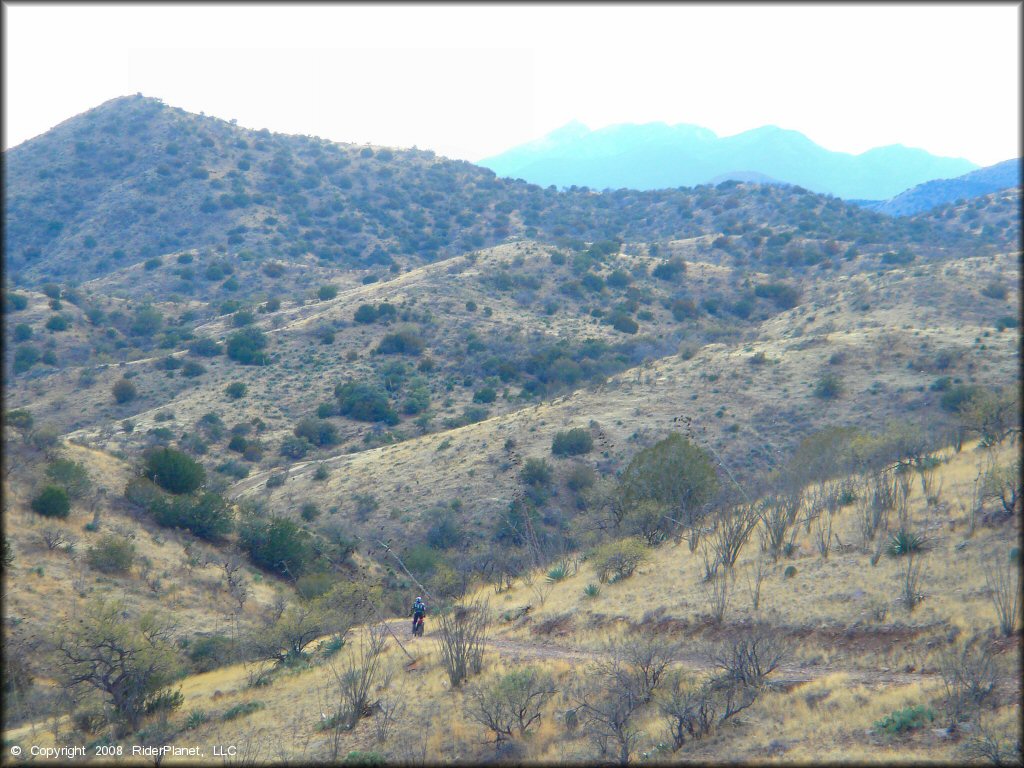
<point>472,81</point>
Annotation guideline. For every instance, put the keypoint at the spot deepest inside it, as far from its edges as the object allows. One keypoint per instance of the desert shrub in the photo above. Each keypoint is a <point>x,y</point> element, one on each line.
<point>513,700</point>
<point>25,357</point>
<point>790,572</point>
<point>57,323</point>
<point>366,314</point>
<point>954,398</point>
<point>624,323</point>
<point>444,531</point>
<point>327,292</point>
<point>905,542</point>
<point>828,387</point>
<point>124,391</point>
<point>174,471</point>
<point>22,332</point>
<point>247,346</point>
<point>1006,321</point>
<point>317,431</point>
<point>580,477</point>
<point>536,472</point>
<point>591,591</point>
<point>111,554</point>
<point>485,395</point>
<point>51,501</point>
<point>617,560</point>
<point>294,447</point>
<point>240,710</point>
<point>210,652</point>
<point>191,369</point>
<point>208,516</point>
<point>235,390</point>
<point>908,719</point>
<point>407,342</point>
<point>364,403</point>
<point>994,290</point>
<point>15,302</point>
<point>204,347</point>
<point>278,545</point>
<point>674,472</point>
<point>69,475</point>
<point>573,442</point>
<point>669,270</point>
<point>783,295</point>
<point>314,585</point>
<point>146,322</point>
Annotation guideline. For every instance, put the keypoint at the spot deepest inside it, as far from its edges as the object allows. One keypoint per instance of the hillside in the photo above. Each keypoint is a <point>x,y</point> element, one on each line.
<point>250,412</point>
<point>660,156</point>
<point>134,180</point>
<point>932,194</point>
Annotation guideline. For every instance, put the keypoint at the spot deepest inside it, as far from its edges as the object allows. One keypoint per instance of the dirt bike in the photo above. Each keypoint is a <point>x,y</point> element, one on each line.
<point>417,626</point>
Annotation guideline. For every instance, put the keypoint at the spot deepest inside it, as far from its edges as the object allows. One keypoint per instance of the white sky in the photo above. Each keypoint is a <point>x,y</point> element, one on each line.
<point>472,81</point>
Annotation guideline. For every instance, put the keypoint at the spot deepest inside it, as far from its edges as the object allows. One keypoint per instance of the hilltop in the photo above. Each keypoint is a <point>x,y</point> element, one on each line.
<point>938,192</point>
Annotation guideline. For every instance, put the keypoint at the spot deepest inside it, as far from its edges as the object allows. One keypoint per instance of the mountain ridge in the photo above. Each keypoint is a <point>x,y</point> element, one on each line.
<point>657,155</point>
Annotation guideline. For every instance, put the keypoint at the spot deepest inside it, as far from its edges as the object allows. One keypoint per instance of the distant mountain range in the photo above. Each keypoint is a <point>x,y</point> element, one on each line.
<point>659,156</point>
<point>937,192</point>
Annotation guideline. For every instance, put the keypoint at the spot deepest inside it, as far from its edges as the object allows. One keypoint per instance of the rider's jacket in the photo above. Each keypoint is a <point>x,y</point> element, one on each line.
<point>418,609</point>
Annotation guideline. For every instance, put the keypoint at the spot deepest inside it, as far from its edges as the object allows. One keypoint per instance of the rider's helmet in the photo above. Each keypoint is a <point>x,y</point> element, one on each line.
<point>419,599</point>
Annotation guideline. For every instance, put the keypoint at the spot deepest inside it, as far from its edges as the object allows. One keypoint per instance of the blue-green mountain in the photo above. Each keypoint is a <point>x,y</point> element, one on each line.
<point>931,194</point>
<point>660,156</point>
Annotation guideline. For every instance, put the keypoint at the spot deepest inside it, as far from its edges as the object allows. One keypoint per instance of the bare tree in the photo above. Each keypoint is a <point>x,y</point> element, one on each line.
<point>462,633</point>
<point>750,656</point>
<point>777,514</point>
<point>969,674</point>
<point>58,538</point>
<point>734,528</point>
<point>823,533</point>
<point>234,580</point>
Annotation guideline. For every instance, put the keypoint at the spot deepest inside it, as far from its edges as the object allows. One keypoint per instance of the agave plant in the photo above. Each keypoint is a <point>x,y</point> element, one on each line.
<point>557,573</point>
<point>904,542</point>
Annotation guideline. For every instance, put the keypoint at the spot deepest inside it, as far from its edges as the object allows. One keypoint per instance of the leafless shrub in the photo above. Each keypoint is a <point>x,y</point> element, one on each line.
<point>1004,484</point>
<point>234,580</point>
<point>711,563</point>
<point>1003,580</point>
<point>247,751</point>
<point>646,658</point>
<point>759,570</point>
<point>354,679</point>
<point>385,716</point>
<point>875,503</point>
<point>716,593</point>
<point>927,471</point>
<point>902,488</point>
<point>750,656</point>
<point>777,514</point>
<point>58,538</point>
<point>986,744</point>
<point>510,701</point>
<point>909,584</point>
<point>969,674</point>
<point>823,533</point>
<point>732,531</point>
<point>462,632</point>
<point>605,709</point>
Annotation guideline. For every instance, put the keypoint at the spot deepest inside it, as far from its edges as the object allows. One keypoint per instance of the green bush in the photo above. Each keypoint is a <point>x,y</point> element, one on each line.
<point>245,708</point>
<point>905,542</point>
<point>327,292</point>
<point>790,572</point>
<point>591,590</point>
<point>235,390</point>
<point>364,403</point>
<point>406,342</point>
<point>783,295</point>
<point>211,652</point>
<point>959,395</point>
<point>278,545</point>
<point>617,560</point>
<point>57,323</point>
<point>247,346</point>
<point>173,470</point>
<point>536,472</point>
<point>15,302</point>
<point>574,442</point>
<point>25,357</point>
<point>624,323</point>
<point>69,475</point>
<point>124,391</point>
<point>485,395</point>
<point>829,387</point>
<point>366,314</point>
<point>317,431</point>
<point>52,501</point>
<point>191,369</point>
<point>294,447</point>
<point>208,516</point>
<point>204,347</point>
<point>111,554</point>
<point>908,719</point>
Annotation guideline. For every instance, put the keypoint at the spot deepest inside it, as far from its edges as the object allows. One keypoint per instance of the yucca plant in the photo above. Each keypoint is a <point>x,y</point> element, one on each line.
<point>195,718</point>
<point>557,573</point>
<point>904,542</point>
<point>591,590</point>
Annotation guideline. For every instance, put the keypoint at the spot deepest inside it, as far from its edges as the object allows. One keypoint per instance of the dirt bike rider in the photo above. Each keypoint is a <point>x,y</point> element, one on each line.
<point>419,610</point>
